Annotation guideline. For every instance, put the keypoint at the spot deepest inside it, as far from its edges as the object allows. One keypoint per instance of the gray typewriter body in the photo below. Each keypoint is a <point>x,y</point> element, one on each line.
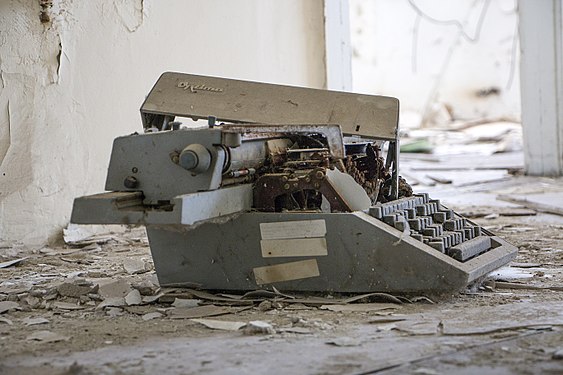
<point>283,186</point>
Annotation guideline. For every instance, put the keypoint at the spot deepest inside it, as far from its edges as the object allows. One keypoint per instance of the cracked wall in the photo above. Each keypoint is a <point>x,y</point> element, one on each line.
<point>431,54</point>
<point>74,74</point>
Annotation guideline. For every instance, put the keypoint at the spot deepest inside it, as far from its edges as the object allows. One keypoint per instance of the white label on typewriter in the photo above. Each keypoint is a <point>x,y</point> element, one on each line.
<point>293,229</point>
<point>294,247</point>
<point>302,269</point>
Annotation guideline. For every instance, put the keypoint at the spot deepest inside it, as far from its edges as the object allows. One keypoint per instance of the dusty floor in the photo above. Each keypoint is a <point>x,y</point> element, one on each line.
<point>512,323</point>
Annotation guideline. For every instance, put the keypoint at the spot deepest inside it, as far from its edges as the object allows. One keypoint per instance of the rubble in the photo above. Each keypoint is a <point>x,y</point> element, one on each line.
<point>47,337</point>
<point>186,303</point>
<point>151,316</point>
<point>220,324</point>
<point>258,327</point>
<point>133,298</point>
<point>114,288</point>
<point>112,302</point>
<point>134,266</point>
<point>76,289</point>
<point>29,321</point>
<point>11,263</point>
<point>6,306</point>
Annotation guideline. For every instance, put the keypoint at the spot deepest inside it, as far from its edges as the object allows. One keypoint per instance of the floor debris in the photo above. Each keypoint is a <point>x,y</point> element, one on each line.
<point>549,202</point>
<point>133,298</point>
<point>186,303</point>
<point>258,327</point>
<point>6,306</point>
<point>200,311</point>
<point>47,337</point>
<point>221,325</point>
<point>360,307</point>
<point>151,316</point>
<point>11,263</point>
<point>522,305</point>
<point>34,321</point>
<point>134,266</point>
<point>345,341</point>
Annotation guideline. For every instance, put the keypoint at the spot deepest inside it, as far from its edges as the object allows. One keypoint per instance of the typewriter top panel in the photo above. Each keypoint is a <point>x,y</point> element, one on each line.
<point>198,97</point>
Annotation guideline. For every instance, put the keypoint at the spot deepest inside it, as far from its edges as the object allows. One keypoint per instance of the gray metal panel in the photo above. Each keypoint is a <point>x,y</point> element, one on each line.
<point>187,209</point>
<point>149,155</point>
<point>364,255</point>
<point>188,95</point>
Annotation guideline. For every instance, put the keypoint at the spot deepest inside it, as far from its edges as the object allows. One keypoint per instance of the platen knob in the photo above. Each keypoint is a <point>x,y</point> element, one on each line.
<point>195,158</point>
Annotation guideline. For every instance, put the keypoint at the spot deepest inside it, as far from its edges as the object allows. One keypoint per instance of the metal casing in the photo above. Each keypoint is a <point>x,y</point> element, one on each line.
<point>198,97</point>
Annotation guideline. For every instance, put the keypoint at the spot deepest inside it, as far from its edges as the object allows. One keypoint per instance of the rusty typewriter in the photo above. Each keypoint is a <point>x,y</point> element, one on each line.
<point>283,186</point>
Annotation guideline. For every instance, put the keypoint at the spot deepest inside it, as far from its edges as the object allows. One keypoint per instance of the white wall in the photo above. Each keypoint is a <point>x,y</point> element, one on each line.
<point>69,86</point>
<point>397,52</point>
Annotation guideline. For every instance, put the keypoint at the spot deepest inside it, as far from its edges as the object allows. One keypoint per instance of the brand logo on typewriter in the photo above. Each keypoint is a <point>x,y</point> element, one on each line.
<point>195,87</point>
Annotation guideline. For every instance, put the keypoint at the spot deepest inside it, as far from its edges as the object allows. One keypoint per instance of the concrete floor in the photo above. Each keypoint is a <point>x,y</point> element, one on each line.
<point>513,325</point>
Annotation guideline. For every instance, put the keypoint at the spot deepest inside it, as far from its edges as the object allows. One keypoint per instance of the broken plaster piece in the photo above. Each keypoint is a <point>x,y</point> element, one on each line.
<point>360,307</point>
<point>186,303</point>
<point>133,298</point>
<point>12,262</point>
<point>258,327</point>
<point>200,312</point>
<point>220,324</point>
<point>345,341</point>
<point>134,266</point>
<point>34,321</point>
<point>112,302</point>
<point>151,316</point>
<point>113,289</point>
<point>8,306</point>
<point>47,337</point>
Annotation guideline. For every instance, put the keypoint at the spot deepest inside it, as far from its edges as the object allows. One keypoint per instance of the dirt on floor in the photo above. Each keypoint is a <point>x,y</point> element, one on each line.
<point>95,307</point>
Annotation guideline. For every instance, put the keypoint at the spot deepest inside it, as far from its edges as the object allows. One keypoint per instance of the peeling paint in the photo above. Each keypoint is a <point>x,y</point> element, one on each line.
<point>59,60</point>
<point>5,132</point>
<point>130,13</point>
<point>44,15</point>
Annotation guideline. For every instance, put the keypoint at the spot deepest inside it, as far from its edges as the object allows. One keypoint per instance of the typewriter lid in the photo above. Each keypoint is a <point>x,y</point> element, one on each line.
<point>198,97</point>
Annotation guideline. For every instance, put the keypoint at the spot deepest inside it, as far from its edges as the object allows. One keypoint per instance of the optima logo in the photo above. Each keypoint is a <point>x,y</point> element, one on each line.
<point>195,87</point>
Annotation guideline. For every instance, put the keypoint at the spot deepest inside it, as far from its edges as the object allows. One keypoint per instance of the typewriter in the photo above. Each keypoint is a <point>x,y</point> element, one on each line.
<point>245,185</point>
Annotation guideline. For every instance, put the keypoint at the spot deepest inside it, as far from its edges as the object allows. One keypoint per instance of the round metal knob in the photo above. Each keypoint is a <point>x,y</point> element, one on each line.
<point>195,158</point>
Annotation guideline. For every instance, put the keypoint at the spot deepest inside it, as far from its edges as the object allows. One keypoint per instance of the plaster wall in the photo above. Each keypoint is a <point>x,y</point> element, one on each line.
<point>461,54</point>
<point>69,86</point>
